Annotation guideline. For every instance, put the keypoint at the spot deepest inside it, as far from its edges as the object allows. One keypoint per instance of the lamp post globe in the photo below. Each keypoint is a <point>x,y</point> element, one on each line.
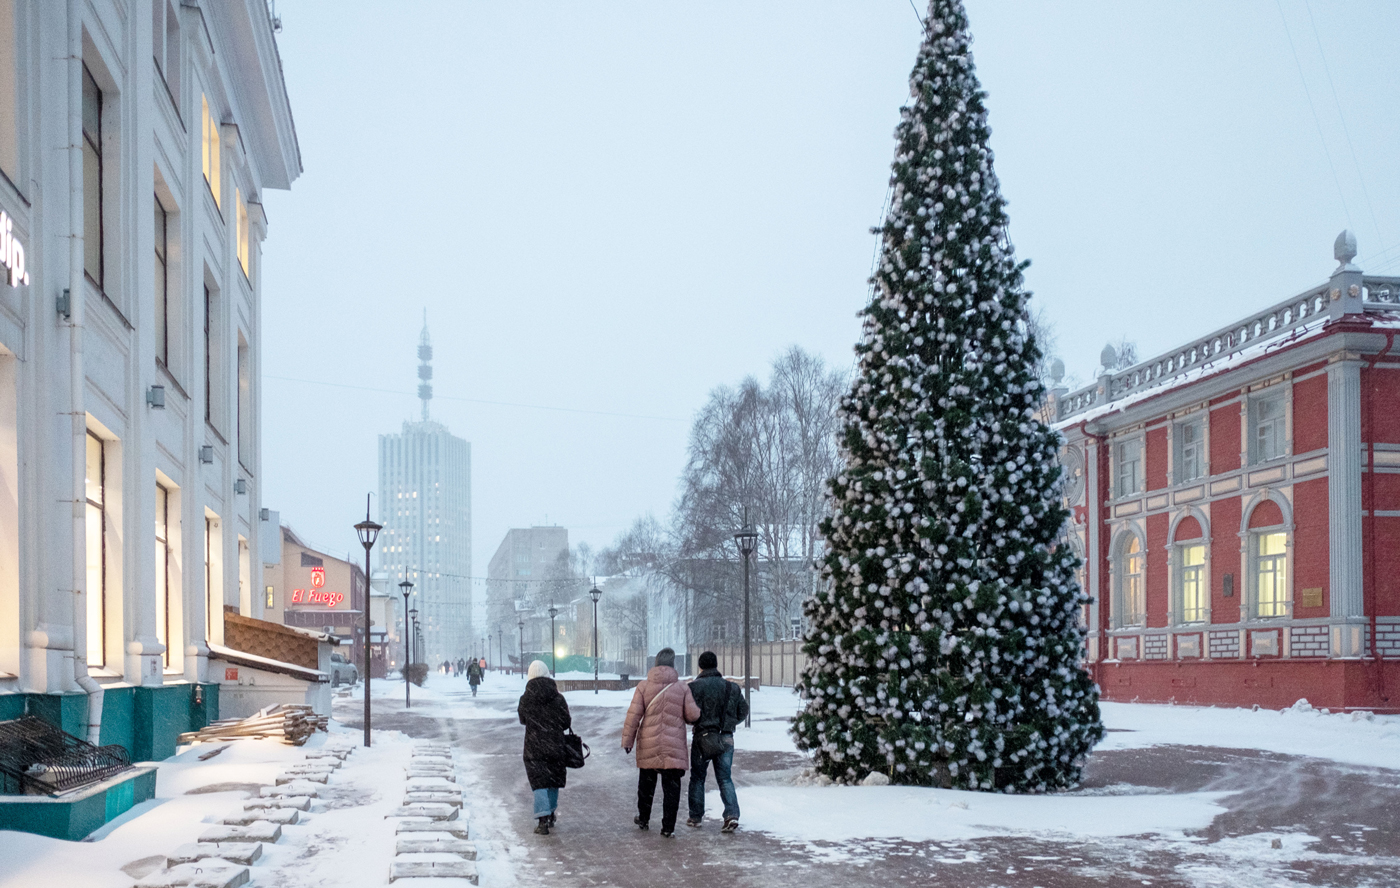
<point>595,593</point>
<point>368,531</point>
<point>747,541</point>
<point>407,588</point>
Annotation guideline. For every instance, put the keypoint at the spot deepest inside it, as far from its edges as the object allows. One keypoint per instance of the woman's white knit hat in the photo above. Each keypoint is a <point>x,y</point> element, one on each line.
<point>538,669</point>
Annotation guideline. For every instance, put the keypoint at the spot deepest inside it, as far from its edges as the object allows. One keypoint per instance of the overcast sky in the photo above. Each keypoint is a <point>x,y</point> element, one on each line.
<point>608,209</point>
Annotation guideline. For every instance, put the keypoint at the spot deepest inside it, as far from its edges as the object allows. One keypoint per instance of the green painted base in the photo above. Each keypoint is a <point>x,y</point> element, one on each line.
<point>146,721</point>
<point>75,816</point>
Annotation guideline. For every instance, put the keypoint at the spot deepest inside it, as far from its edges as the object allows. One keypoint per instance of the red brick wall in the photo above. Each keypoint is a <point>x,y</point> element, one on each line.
<point>1157,579</point>
<point>1382,386</point>
<point>1224,438</point>
<point>1310,414</point>
<point>1310,545</point>
<point>1155,463</point>
<point>1387,566</point>
<point>1225,559</point>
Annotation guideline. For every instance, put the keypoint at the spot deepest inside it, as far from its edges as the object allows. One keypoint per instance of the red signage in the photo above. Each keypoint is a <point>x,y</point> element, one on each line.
<point>317,596</point>
<point>318,577</point>
<point>231,674</point>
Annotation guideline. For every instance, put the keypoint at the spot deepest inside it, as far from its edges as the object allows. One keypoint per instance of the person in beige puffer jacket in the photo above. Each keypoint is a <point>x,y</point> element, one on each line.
<point>661,708</point>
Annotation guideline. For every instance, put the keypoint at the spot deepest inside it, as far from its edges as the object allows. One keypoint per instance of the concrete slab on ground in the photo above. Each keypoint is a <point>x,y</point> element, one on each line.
<point>300,803</point>
<point>237,852</point>
<point>294,788</point>
<point>456,829</point>
<point>428,843</point>
<point>262,831</point>
<point>431,784</point>
<point>205,874</point>
<point>428,810</point>
<point>433,869</point>
<point>446,798</point>
<point>282,816</point>
<point>309,777</point>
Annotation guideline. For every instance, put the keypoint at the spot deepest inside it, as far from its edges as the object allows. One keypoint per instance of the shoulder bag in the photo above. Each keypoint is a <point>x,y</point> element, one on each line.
<point>576,752</point>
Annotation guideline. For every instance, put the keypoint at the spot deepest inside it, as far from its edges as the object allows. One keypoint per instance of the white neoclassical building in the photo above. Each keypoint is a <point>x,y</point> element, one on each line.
<point>136,140</point>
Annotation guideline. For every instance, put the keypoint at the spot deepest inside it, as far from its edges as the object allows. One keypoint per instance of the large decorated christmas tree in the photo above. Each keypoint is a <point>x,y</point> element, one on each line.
<point>944,648</point>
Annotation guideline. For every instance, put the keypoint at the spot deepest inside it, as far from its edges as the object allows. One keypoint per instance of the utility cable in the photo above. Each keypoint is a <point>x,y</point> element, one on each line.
<point>1316,121</point>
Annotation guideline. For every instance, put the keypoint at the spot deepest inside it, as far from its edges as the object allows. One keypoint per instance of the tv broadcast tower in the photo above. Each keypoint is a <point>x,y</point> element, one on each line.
<point>425,486</point>
<point>425,367</point>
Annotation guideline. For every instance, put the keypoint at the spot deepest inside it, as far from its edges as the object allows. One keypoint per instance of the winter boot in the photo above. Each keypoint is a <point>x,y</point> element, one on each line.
<point>693,822</point>
<point>642,824</point>
<point>543,828</point>
<point>730,824</point>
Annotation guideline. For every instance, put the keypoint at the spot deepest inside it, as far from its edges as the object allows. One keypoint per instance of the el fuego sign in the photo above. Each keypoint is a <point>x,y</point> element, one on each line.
<point>12,252</point>
<point>317,594</point>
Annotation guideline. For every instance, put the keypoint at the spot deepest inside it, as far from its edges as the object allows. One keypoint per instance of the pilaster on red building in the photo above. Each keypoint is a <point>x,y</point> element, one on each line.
<point>1237,505</point>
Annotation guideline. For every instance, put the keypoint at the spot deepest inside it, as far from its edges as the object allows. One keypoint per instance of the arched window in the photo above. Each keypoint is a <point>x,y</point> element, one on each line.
<point>1268,562</point>
<point>1191,593</point>
<point>1132,599</point>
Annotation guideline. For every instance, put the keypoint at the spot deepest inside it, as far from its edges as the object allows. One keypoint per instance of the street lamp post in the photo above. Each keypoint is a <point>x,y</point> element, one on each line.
<point>522,646</point>
<point>553,612</point>
<point>747,540</point>
<point>595,593</point>
<point>488,651</point>
<point>407,589</point>
<point>368,532</point>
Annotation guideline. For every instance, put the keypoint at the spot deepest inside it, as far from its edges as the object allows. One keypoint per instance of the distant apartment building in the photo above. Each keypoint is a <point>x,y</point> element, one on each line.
<point>524,562</point>
<point>425,496</point>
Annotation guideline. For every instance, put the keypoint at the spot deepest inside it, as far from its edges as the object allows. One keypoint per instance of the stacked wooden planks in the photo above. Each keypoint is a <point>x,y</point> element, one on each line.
<point>289,722</point>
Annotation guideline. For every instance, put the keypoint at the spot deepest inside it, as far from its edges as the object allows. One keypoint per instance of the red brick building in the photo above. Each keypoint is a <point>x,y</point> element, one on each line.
<point>1237,504</point>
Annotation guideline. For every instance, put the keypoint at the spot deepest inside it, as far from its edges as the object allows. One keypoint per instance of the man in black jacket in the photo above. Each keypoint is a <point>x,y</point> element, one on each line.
<point>722,708</point>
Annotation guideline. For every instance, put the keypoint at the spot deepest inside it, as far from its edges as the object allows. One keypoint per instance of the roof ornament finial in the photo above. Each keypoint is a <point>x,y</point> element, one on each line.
<point>1344,250</point>
<point>425,366</point>
<point>1108,358</point>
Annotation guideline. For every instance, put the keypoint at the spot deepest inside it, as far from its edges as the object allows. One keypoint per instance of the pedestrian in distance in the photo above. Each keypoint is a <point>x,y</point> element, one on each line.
<point>661,708</point>
<point>474,676</point>
<point>722,709</point>
<point>545,714</point>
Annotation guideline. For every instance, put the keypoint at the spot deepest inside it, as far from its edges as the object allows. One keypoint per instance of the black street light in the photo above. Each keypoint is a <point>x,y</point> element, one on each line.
<point>747,540</point>
<point>488,653</point>
<point>368,532</point>
<point>407,588</point>
<point>522,646</point>
<point>553,612</point>
<point>595,593</point>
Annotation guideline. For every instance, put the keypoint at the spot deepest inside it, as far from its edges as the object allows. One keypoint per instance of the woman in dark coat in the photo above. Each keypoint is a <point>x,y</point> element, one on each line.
<point>545,714</point>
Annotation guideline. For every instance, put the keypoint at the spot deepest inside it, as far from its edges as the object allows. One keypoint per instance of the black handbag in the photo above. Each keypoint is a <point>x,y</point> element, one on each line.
<point>711,742</point>
<point>576,752</point>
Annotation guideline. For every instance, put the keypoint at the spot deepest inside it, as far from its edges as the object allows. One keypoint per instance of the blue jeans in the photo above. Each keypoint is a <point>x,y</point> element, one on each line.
<point>546,800</point>
<point>722,765</point>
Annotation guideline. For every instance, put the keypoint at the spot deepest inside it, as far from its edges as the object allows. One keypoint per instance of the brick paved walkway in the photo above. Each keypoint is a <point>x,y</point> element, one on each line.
<point>1354,812</point>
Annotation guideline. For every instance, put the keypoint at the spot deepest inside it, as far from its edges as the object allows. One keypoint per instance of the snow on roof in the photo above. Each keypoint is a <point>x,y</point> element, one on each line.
<point>244,659</point>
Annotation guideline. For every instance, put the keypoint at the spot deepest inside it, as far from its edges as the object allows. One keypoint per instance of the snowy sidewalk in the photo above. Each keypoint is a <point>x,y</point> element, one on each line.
<point>269,815</point>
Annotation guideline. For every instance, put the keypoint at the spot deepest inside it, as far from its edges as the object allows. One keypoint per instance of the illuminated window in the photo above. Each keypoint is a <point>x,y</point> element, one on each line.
<point>162,291</point>
<point>163,569</point>
<point>92,178</point>
<point>1270,574</point>
<point>241,230</point>
<point>1191,582</point>
<point>96,484</point>
<point>210,130</point>
<point>1131,597</point>
<point>9,90</point>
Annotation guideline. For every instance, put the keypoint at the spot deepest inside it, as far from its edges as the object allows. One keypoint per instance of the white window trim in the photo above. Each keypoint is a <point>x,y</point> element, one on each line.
<point>1117,577</point>
<point>1174,450</point>
<point>1139,438</point>
<point>1284,391</point>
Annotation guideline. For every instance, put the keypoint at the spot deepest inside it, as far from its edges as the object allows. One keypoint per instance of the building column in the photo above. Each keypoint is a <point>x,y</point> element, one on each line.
<point>1344,506</point>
